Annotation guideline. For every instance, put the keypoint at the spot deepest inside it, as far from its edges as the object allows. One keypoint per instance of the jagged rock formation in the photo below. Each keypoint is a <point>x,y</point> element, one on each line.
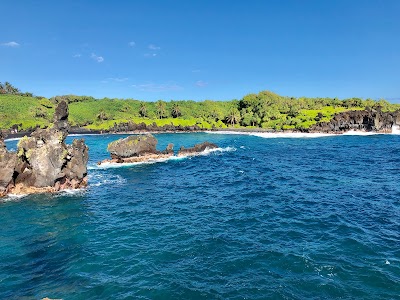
<point>136,149</point>
<point>8,162</point>
<point>363,120</point>
<point>196,149</point>
<point>43,162</point>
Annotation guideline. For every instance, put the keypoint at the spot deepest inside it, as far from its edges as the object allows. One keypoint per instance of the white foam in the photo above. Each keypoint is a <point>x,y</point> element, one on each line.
<point>208,152</point>
<point>100,179</point>
<point>11,197</point>
<point>12,139</point>
<point>226,149</point>
<point>395,129</point>
<point>387,262</point>
<point>84,134</point>
<point>276,134</point>
<point>71,191</point>
<point>110,165</point>
<point>360,133</point>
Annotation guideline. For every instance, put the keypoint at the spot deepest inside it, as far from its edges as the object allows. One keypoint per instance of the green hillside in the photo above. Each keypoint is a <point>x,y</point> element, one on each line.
<point>263,110</point>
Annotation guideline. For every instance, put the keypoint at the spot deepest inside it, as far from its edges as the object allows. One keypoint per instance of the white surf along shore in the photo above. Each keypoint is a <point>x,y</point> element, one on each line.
<point>108,165</point>
<point>395,131</point>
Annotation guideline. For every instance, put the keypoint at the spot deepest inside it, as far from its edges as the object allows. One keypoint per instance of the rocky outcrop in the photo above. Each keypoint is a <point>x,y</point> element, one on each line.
<point>43,162</point>
<point>8,162</point>
<point>362,120</point>
<point>133,146</point>
<point>196,149</point>
<point>136,148</point>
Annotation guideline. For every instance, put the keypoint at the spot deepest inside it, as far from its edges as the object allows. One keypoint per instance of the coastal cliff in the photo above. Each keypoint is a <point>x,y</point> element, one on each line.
<point>44,162</point>
<point>359,120</point>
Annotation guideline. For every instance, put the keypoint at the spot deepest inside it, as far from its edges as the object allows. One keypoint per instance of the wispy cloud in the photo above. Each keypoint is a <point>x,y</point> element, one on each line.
<point>154,47</point>
<point>196,71</point>
<point>77,55</point>
<point>10,44</point>
<point>131,44</point>
<point>97,58</point>
<point>118,79</point>
<point>150,54</point>
<point>201,83</point>
<point>153,87</point>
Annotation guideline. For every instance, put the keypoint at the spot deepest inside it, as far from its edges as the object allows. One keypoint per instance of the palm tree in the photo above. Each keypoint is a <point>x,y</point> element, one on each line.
<point>233,116</point>
<point>10,89</point>
<point>160,105</point>
<point>176,111</point>
<point>2,89</point>
<point>143,109</point>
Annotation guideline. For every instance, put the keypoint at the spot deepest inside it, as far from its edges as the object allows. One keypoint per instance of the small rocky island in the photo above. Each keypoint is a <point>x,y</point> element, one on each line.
<point>43,162</point>
<point>142,148</point>
<point>136,149</point>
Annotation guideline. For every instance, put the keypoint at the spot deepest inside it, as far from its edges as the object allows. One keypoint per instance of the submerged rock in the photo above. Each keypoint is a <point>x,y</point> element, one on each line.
<point>43,162</point>
<point>196,149</point>
<point>136,148</point>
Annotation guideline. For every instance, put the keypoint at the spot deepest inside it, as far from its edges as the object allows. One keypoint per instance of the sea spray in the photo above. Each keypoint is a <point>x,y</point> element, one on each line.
<point>395,129</point>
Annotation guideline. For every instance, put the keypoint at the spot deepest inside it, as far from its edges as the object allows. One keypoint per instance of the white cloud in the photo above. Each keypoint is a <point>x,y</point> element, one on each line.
<point>99,59</point>
<point>132,44</point>
<point>154,47</point>
<point>77,55</point>
<point>11,44</point>
<point>117,79</point>
<point>150,54</point>
<point>153,87</point>
<point>201,83</point>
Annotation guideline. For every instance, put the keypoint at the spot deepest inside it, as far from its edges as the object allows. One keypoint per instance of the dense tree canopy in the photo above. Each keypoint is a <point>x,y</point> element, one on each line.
<point>263,110</point>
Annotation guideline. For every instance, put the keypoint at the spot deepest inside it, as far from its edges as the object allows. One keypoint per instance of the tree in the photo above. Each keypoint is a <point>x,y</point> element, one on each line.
<point>102,115</point>
<point>233,116</point>
<point>143,109</point>
<point>160,106</point>
<point>176,111</point>
<point>8,88</point>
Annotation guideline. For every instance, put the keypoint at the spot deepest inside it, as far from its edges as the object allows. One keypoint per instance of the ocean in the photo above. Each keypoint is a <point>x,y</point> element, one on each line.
<point>264,217</point>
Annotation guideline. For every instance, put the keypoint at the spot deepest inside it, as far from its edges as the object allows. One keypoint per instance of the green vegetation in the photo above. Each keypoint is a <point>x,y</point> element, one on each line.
<point>262,110</point>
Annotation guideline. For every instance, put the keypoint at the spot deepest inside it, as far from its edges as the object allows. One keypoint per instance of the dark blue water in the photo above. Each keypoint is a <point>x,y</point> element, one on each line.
<point>268,218</point>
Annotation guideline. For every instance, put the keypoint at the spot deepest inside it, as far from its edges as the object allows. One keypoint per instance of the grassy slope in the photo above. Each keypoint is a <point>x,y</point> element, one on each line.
<point>24,110</point>
<point>29,112</point>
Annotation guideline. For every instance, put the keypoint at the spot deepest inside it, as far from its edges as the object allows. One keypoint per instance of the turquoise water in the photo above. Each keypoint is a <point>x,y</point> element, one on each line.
<point>294,218</point>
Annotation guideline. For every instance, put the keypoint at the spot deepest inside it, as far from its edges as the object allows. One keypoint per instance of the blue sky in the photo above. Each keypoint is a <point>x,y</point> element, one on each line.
<point>219,50</point>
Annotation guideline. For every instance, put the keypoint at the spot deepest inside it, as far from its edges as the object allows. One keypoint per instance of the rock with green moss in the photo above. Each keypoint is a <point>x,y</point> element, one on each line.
<point>135,145</point>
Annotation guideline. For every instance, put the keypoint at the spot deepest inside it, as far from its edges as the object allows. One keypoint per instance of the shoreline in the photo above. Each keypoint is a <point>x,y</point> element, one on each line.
<point>249,131</point>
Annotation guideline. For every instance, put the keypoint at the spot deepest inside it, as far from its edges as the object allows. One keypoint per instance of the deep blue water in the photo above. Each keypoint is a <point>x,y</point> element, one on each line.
<point>295,218</point>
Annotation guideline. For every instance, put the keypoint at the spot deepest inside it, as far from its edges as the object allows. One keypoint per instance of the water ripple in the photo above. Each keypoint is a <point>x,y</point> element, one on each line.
<point>271,218</point>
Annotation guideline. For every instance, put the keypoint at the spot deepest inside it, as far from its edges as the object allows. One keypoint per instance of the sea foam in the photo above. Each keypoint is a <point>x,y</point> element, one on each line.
<point>276,134</point>
<point>395,129</point>
<point>111,165</point>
